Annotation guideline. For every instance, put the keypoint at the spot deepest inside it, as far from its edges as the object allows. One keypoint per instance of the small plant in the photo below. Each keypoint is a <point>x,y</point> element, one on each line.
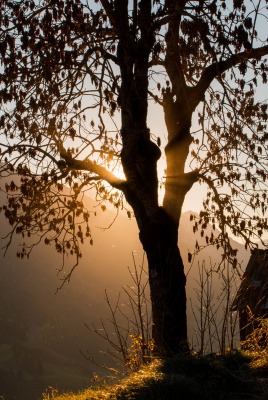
<point>129,333</point>
<point>139,352</point>
<point>257,340</point>
<point>216,326</point>
<point>50,393</point>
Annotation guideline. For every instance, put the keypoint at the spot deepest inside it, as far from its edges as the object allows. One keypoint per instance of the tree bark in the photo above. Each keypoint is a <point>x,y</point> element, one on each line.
<point>167,284</point>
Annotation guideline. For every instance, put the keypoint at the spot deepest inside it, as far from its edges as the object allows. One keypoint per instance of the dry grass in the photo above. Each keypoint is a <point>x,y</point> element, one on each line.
<point>237,376</point>
<point>136,380</point>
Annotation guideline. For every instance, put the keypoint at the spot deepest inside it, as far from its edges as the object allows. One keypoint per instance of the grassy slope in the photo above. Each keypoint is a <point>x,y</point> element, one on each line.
<point>233,377</point>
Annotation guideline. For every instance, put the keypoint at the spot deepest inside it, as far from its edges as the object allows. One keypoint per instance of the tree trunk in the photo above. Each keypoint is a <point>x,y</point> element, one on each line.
<point>159,234</point>
<point>167,284</point>
<point>158,225</point>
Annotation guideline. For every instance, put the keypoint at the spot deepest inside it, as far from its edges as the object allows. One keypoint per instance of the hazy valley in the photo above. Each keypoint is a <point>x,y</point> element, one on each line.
<point>42,334</point>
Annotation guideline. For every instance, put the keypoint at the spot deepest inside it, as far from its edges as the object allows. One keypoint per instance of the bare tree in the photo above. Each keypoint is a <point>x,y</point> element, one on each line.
<point>128,331</point>
<point>216,326</point>
<point>76,78</point>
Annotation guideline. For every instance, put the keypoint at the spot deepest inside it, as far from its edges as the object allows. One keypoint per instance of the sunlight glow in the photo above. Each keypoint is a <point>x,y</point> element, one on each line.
<point>118,171</point>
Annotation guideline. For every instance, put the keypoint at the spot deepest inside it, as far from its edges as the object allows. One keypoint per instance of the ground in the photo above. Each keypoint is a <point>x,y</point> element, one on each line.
<point>239,375</point>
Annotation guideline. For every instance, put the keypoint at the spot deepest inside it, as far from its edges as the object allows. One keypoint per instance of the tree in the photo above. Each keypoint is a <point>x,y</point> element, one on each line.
<point>76,80</point>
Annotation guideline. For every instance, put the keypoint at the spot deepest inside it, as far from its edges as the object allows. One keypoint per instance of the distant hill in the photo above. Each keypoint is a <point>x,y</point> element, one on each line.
<point>43,332</point>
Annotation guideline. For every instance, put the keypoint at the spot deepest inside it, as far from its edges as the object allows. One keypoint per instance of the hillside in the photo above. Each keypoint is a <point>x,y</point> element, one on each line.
<point>236,376</point>
<point>44,333</point>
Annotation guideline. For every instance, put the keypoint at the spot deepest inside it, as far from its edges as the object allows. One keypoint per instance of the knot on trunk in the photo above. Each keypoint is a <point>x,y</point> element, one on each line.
<point>137,144</point>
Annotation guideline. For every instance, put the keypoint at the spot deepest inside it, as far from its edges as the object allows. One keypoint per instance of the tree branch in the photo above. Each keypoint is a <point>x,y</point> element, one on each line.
<point>107,5</point>
<point>217,68</point>
<point>87,165</point>
<point>155,97</point>
<point>172,59</point>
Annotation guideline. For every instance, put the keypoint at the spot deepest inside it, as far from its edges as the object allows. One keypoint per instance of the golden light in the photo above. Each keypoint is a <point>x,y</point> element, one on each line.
<point>118,171</point>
